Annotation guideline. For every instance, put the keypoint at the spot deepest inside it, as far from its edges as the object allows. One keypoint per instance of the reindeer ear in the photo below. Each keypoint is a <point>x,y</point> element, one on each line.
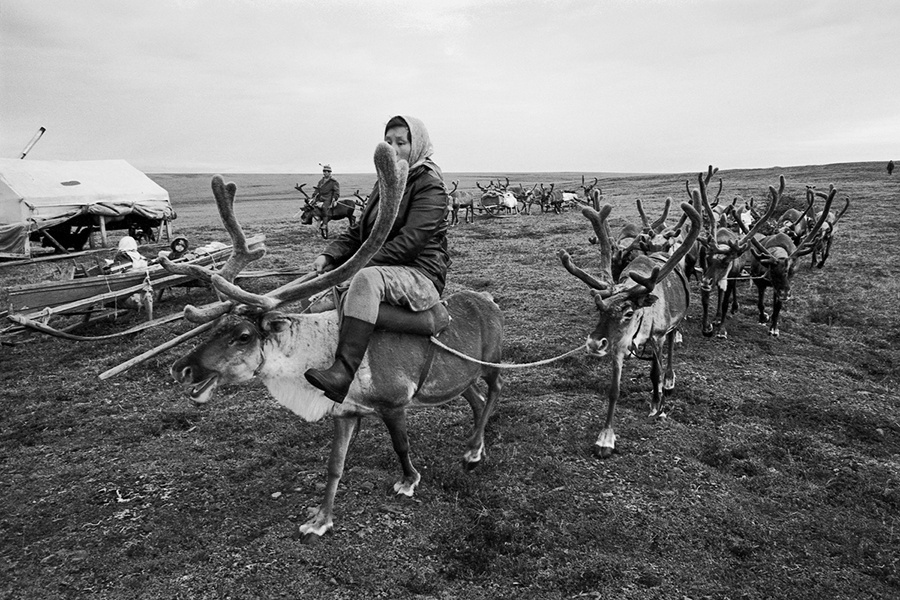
<point>645,300</point>
<point>274,322</point>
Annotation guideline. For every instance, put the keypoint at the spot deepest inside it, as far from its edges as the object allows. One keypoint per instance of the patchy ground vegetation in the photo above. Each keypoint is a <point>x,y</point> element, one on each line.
<point>776,475</point>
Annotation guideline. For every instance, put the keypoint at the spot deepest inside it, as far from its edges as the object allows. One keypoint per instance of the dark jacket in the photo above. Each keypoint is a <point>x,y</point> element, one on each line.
<point>329,190</point>
<point>419,235</point>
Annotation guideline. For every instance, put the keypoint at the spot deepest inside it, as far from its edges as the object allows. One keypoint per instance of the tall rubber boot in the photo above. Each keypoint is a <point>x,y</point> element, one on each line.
<point>352,343</point>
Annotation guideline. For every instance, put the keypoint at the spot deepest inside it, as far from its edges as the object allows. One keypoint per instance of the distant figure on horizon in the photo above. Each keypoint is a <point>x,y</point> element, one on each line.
<point>890,167</point>
<point>327,191</point>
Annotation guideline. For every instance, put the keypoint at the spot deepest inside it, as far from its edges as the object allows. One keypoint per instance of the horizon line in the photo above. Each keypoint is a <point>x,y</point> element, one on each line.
<point>494,172</point>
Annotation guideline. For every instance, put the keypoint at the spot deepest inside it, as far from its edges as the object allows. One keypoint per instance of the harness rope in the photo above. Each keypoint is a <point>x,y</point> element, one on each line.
<point>538,363</point>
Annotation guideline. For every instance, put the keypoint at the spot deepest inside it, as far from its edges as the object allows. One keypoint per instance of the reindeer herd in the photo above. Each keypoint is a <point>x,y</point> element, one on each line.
<point>642,293</point>
<point>502,199</point>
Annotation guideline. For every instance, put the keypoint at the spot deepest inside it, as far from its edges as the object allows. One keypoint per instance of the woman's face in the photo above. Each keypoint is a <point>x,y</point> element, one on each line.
<point>398,138</point>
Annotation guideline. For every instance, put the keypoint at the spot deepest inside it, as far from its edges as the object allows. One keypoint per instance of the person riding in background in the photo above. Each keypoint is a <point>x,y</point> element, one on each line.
<point>328,190</point>
<point>409,270</point>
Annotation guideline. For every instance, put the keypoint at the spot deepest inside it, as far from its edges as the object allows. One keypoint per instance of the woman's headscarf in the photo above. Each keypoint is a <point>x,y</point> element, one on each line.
<point>421,148</point>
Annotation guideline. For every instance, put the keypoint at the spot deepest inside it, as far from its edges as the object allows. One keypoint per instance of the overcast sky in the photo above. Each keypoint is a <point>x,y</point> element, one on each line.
<point>279,86</point>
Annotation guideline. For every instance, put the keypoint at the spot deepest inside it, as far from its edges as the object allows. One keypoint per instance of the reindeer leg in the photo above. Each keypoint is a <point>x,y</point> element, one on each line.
<point>475,444</point>
<point>706,328</point>
<point>776,311</point>
<point>606,441</point>
<point>825,253</point>
<point>760,304</point>
<point>726,300</point>
<point>669,381</point>
<point>732,286</point>
<point>321,521</point>
<point>395,420</point>
<point>721,311</point>
<point>655,370</point>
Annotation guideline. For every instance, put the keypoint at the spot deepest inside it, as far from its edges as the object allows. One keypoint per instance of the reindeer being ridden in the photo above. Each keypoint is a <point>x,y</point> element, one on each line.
<point>313,210</point>
<point>401,367</point>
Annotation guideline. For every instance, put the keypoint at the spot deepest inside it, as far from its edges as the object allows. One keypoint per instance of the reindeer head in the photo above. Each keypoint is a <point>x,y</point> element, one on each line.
<point>622,303</point>
<point>307,213</point>
<point>777,257</point>
<point>239,336</point>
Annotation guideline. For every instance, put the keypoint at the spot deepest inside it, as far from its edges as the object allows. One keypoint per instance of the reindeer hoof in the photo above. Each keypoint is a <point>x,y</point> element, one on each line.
<point>657,414</point>
<point>774,332</point>
<point>407,486</point>
<point>602,451</point>
<point>472,458</point>
<point>470,465</point>
<point>722,335</point>
<point>310,539</point>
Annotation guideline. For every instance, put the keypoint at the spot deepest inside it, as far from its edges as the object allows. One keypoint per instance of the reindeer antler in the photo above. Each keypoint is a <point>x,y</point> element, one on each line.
<point>300,189</point>
<point>657,225</point>
<point>712,224</point>
<point>770,210</point>
<point>391,182</point>
<point>659,273</point>
<point>843,210</point>
<point>241,254</point>
<point>604,237</point>
<point>644,220</point>
<point>805,246</point>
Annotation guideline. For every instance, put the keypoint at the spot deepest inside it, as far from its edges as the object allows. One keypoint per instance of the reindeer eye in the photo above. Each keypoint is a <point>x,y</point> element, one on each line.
<point>242,338</point>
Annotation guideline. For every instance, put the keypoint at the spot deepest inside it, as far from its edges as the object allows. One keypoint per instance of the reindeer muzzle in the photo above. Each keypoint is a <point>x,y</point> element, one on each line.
<point>203,391</point>
<point>597,347</point>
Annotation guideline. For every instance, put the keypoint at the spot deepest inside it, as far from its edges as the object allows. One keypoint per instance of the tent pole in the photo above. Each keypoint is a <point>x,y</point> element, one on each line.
<point>103,238</point>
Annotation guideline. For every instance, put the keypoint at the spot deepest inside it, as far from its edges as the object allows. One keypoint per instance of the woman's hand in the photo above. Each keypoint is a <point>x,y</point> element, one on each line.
<point>322,264</point>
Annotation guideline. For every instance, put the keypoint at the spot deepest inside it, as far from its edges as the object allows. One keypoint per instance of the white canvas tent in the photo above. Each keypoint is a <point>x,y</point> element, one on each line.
<point>35,195</point>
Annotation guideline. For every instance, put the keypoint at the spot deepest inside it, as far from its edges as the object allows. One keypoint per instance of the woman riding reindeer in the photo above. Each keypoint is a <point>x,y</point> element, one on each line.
<point>409,271</point>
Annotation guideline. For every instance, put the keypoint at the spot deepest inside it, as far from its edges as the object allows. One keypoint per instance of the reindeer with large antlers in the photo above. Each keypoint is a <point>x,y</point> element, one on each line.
<point>639,313</point>
<point>775,262</point>
<point>822,242</point>
<point>401,367</point>
<point>722,259</point>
